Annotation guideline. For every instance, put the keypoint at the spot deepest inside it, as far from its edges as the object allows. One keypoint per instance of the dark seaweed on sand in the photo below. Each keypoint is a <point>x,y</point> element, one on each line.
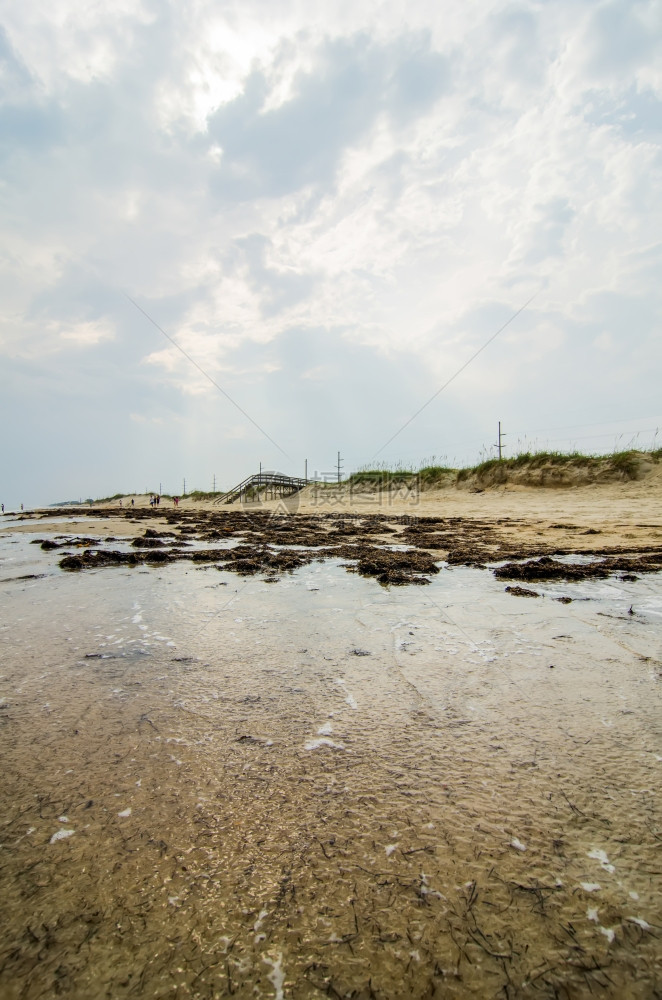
<point>276,544</point>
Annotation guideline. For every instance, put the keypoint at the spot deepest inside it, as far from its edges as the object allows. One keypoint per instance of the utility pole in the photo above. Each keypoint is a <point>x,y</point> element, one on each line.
<point>499,445</point>
<point>184,490</point>
<point>214,489</point>
<point>160,489</point>
<point>339,466</point>
<point>306,471</point>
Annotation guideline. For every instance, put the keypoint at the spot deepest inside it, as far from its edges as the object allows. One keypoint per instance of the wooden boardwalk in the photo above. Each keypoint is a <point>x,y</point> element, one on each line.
<point>272,484</point>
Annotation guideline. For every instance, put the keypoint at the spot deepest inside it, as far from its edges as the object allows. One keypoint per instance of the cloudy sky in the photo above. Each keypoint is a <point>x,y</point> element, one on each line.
<point>330,208</point>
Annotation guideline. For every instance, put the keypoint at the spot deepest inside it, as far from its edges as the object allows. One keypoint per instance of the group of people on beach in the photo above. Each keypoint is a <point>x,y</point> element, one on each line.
<point>154,501</point>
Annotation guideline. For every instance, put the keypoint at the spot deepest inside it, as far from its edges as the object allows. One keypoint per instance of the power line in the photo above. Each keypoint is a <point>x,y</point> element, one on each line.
<point>458,372</point>
<point>206,375</point>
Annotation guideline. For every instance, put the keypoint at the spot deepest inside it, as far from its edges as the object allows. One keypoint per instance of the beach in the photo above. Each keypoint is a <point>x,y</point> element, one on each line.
<point>313,746</point>
<point>331,501</point>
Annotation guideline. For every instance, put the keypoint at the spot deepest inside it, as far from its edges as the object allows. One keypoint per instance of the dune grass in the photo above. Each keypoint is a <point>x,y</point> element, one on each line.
<point>115,496</point>
<point>380,476</point>
<point>625,462</point>
<point>434,473</point>
<point>203,494</point>
<point>402,473</point>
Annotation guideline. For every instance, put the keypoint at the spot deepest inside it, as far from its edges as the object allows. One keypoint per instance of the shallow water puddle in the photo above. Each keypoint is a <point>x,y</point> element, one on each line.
<point>321,787</point>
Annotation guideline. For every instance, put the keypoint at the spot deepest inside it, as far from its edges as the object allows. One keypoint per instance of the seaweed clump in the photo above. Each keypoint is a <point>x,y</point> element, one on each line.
<point>95,558</point>
<point>395,568</point>
<point>521,592</point>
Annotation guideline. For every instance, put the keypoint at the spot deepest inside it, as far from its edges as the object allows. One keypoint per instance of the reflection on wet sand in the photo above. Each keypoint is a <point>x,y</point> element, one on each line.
<point>216,787</point>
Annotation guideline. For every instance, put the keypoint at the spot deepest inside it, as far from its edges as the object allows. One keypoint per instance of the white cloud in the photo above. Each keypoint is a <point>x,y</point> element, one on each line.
<point>604,341</point>
<point>87,334</point>
<point>401,176</point>
<point>143,418</point>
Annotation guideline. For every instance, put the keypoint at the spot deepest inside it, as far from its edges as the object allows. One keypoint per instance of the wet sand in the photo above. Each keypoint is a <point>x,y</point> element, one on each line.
<point>216,786</point>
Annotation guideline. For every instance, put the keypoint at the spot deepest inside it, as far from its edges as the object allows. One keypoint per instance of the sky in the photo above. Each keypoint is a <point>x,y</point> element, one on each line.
<point>267,231</point>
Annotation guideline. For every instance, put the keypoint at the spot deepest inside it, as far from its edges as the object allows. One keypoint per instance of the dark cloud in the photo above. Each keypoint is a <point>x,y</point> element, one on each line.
<point>274,152</point>
<point>619,37</point>
<point>517,32</point>
<point>278,289</point>
<point>15,78</point>
<point>30,129</point>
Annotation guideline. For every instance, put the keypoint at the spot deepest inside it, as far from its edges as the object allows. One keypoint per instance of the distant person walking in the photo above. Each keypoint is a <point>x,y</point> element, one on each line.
<point>3,508</point>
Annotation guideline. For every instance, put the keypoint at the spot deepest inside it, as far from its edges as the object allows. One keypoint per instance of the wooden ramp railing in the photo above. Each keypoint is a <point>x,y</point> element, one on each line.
<point>270,482</point>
